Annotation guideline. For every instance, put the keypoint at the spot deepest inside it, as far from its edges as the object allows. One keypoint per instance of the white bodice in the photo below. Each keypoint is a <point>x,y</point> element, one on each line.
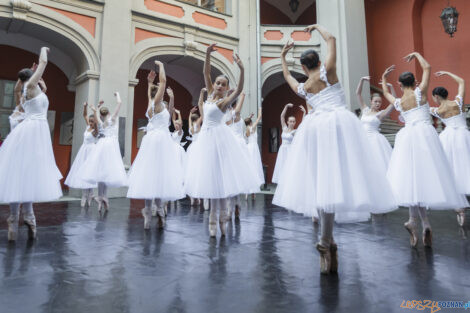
<point>253,138</point>
<point>213,116</point>
<point>176,137</point>
<point>419,114</point>
<point>15,118</point>
<point>88,137</point>
<point>456,121</point>
<point>159,121</point>
<point>36,108</point>
<point>329,99</point>
<point>287,136</point>
<point>109,128</point>
<point>370,122</point>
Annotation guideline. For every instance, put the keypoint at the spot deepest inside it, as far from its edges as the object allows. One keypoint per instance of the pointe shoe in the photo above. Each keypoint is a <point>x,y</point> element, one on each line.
<point>12,227</point>
<point>229,215</point>
<point>100,203</point>
<point>83,201</point>
<point>223,227</point>
<point>411,227</point>
<point>237,212</point>
<point>334,258</point>
<point>106,203</point>
<point>147,217</point>
<point>427,237</point>
<point>161,218</point>
<point>30,221</point>
<point>461,218</point>
<point>212,229</point>
<point>154,210</point>
<point>206,205</point>
<point>325,259</point>
<point>90,199</point>
<point>315,219</point>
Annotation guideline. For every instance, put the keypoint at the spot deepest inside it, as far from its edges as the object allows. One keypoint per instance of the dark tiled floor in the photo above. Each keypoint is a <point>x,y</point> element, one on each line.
<point>82,262</point>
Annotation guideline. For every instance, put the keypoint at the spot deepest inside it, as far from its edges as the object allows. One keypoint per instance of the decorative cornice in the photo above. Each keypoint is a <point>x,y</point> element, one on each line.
<point>86,76</point>
<point>20,8</point>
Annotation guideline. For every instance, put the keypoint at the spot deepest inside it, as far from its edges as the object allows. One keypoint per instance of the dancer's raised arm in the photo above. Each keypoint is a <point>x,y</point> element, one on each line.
<point>330,61</point>
<point>283,115</point>
<point>118,107</point>
<point>303,111</point>
<point>426,72</point>
<point>18,90</point>
<point>207,67</point>
<point>161,84</point>
<point>239,106</point>
<point>291,81</point>
<point>171,103</point>
<point>85,112</point>
<point>390,98</point>
<point>37,75</point>
<point>359,92</point>
<point>460,81</point>
<point>200,103</point>
<point>386,112</point>
<point>241,81</point>
<point>260,114</point>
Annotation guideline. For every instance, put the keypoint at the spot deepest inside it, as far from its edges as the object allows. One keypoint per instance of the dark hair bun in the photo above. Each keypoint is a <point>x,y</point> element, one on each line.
<point>310,59</point>
<point>440,91</point>
<point>407,79</point>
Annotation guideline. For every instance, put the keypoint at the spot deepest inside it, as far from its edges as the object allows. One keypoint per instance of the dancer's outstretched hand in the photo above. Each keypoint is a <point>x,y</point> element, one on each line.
<point>410,56</point>
<point>194,109</point>
<point>170,93</point>
<point>237,59</point>
<point>440,73</point>
<point>366,78</point>
<point>204,90</point>
<point>310,28</point>
<point>302,108</point>
<point>100,103</point>
<point>289,45</point>
<point>388,71</point>
<point>211,48</point>
<point>289,105</point>
<point>151,76</point>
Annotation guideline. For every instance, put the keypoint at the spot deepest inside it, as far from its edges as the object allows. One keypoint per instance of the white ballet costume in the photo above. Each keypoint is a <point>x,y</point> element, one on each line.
<point>75,177</point>
<point>181,152</point>
<point>15,118</point>
<point>157,172</point>
<point>287,137</point>
<point>219,168</point>
<point>455,139</point>
<point>105,164</point>
<point>328,168</point>
<point>380,147</point>
<point>419,172</point>
<point>28,172</point>
<point>255,155</point>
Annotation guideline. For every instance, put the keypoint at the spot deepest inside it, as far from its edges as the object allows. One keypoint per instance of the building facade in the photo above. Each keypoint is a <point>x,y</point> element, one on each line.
<point>102,46</point>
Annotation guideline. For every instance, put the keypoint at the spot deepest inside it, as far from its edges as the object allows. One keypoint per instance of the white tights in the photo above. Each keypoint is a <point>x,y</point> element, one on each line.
<point>220,204</point>
<point>416,211</point>
<point>27,209</point>
<point>102,190</point>
<point>327,221</point>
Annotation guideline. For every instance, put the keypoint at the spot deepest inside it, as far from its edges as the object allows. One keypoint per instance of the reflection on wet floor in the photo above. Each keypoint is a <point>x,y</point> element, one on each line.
<point>87,262</point>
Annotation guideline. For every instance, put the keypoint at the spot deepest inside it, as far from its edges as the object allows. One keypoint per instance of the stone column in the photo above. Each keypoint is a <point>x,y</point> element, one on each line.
<point>345,19</point>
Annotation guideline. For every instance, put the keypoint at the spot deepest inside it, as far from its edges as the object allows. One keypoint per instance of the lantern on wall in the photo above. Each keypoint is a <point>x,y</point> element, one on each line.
<point>294,5</point>
<point>449,18</point>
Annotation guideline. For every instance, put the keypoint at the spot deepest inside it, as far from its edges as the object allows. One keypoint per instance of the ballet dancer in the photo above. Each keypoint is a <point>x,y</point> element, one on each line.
<point>253,149</point>
<point>74,178</point>
<point>104,165</point>
<point>455,138</point>
<point>218,166</point>
<point>288,132</point>
<point>419,172</point>
<point>28,172</point>
<point>157,173</point>
<point>195,121</point>
<point>327,169</point>
<point>371,118</point>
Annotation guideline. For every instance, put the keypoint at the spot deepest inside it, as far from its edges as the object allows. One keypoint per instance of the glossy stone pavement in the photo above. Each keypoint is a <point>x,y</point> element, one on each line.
<point>82,262</point>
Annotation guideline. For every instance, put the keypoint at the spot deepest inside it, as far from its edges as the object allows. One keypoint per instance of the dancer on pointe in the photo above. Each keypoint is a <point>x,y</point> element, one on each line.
<point>28,172</point>
<point>219,170</point>
<point>419,172</point>
<point>157,173</point>
<point>74,178</point>
<point>288,132</point>
<point>253,149</point>
<point>195,121</point>
<point>371,119</point>
<point>455,138</point>
<point>328,169</point>
<point>105,167</point>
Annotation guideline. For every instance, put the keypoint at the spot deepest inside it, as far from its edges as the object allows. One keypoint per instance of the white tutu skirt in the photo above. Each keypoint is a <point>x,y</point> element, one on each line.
<point>329,168</point>
<point>380,149</point>
<point>75,177</point>
<point>157,171</point>
<point>419,171</point>
<point>456,144</point>
<point>217,167</point>
<point>255,158</point>
<point>28,172</point>
<point>105,164</point>
<point>280,161</point>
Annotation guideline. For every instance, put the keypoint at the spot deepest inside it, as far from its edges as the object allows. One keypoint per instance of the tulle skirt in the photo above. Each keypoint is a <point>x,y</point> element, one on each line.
<point>419,171</point>
<point>255,157</point>
<point>217,166</point>
<point>157,171</point>
<point>28,172</point>
<point>380,148</point>
<point>105,164</point>
<point>280,161</point>
<point>456,144</point>
<point>329,168</point>
<point>75,177</point>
